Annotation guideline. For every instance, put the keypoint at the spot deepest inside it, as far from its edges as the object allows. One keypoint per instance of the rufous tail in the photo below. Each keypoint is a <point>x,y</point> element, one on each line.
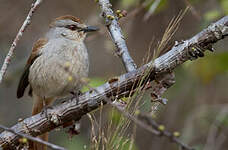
<point>38,105</point>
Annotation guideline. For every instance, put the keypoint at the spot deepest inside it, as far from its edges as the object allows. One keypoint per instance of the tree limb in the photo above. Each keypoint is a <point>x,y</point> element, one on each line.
<point>116,34</point>
<point>123,86</point>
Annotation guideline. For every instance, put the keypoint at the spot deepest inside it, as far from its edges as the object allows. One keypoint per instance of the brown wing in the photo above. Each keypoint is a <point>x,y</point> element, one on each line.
<point>23,83</point>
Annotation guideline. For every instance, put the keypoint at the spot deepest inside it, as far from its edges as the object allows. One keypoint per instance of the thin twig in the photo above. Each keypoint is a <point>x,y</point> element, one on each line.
<point>163,132</point>
<point>17,38</point>
<point>116,34</point>
<point>130,15</point>
<point>53,146</point>
<point>214,139</point>
<point>154,130</point>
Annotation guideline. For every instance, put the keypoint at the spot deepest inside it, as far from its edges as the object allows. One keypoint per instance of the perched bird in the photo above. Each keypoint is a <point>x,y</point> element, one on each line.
<point>56,65</point>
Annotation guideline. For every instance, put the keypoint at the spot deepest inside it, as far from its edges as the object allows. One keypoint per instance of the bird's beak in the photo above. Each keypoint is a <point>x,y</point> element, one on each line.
<point>90,29</point>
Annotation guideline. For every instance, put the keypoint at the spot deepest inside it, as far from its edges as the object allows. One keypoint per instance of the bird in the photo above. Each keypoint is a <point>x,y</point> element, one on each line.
<point>57,64</point>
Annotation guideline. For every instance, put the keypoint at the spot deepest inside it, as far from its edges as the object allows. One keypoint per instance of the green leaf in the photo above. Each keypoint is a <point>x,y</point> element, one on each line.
<point>94,82</point>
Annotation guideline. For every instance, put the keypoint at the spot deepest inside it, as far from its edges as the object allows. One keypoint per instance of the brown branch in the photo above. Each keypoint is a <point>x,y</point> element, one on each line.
<point>17,38</point>
<point>147,123</point>
<point>52,146</point>
<point>89,101</point>
<point>163,132</point>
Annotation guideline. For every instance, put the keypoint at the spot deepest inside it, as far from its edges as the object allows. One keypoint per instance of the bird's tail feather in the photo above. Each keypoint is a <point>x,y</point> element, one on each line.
<point>38,105</point>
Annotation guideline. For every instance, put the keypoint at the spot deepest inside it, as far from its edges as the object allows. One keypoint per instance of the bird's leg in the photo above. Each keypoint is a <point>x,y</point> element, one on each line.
<point>75,128</point>
<point>45,108</point>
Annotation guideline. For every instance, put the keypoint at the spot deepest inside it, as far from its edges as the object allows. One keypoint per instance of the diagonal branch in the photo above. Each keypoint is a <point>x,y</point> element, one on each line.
<point>126,83</point>
<point>163,132</point>
<point>17,38</point>
<point>53,146</point>
<point>152,126</point>
<point>116,34</point>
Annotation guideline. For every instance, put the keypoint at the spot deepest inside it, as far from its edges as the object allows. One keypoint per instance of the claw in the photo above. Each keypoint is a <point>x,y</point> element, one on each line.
<point>45,112</point>
<point>76,95</point>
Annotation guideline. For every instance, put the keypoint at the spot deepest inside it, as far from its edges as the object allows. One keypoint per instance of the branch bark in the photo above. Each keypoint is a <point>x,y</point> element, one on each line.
<point>123,86</point>
<point>35,139</point>
<point>116,34</point>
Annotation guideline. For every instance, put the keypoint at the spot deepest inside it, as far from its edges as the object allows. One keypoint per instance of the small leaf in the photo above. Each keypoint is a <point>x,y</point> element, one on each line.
<point>94,82</point>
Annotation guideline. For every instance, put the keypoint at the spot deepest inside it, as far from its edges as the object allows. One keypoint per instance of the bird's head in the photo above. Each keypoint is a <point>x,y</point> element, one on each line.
<point>70,27</point>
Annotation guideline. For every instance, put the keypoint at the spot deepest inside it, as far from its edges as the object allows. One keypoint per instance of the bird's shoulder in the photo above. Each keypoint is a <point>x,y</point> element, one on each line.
<point>36,49</point>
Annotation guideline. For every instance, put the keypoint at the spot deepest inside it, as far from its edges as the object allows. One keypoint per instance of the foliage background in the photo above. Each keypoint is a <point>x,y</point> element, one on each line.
<point>198,102</point>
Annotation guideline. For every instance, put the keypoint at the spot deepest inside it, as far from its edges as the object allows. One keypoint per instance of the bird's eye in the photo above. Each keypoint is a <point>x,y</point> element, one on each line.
<point>72,27</point>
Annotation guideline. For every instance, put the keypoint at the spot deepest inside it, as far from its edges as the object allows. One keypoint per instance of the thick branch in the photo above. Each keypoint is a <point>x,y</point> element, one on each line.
<point>116,34</point>
<point>17,38</point>
<point>70,110</point>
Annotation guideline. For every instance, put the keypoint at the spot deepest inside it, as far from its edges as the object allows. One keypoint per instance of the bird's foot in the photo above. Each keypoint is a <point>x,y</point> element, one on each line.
<point>76,95</point>
<point>45,111</point>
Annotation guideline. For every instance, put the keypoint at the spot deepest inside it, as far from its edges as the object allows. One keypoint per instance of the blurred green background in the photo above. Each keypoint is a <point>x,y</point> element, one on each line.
<point>198,102</point>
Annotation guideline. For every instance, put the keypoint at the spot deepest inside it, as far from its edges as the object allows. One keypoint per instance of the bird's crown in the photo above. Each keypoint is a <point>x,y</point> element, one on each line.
<point>65,20</point>
<point>69,17</point>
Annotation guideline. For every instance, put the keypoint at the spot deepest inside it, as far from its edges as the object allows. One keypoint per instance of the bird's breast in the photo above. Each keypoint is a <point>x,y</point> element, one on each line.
<point>60,68</point>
